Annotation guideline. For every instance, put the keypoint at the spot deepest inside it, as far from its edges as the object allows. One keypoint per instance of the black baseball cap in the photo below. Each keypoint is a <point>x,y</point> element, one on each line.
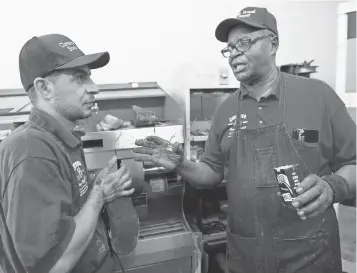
<point>44,54</point>
<point>259,18</point>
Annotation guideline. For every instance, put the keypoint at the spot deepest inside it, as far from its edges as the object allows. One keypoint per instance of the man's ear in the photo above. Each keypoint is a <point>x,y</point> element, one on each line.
<point>44,88</point>
<point>275,45</point>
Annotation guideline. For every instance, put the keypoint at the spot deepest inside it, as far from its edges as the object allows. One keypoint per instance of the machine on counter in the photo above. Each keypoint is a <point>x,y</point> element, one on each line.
<point>304,69</point>
<point>166,241</point>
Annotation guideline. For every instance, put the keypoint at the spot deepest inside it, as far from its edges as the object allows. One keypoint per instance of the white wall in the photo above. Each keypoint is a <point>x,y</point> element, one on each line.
<point>157,40</point>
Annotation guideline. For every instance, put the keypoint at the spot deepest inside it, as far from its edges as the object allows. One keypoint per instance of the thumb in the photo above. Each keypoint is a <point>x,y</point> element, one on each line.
<point>177,148</point>
<point>111,163</point>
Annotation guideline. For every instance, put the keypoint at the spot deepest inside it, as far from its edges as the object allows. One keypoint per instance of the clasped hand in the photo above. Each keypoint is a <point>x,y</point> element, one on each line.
<point>315,196</point>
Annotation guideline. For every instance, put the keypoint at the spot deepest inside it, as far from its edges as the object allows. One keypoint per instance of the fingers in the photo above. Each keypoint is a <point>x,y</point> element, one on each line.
<point>115,177</point>
<point>126,193</point>
<point>105,171</point>
<point>309,182</point>
<point>119,194</point>
<point>146,143</point>
<point>111,164</point>
<point>177,148</point>
<point>157,140</point>
<point>313,207</point>
<point>320,204</point>
<point>151,141</point>
<point>122,184</point>
<point>126,184</point>
<point>309,189</point>
<point>123,174</point>
<point>118,190</point>
<point>307,196</point>
<point>143,158</point>
<point>143,150</point>
<point>123,169</point>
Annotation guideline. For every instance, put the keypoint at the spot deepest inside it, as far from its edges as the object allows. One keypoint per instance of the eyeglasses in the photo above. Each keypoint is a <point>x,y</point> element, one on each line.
<point>242,45</point>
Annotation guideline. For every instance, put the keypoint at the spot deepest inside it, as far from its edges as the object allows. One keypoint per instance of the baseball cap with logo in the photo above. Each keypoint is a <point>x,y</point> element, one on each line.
<point>256,17</point>
<point>44,54</point>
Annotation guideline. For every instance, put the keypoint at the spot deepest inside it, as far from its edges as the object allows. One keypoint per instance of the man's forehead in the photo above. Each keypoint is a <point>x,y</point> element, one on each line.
<point>243,31</point>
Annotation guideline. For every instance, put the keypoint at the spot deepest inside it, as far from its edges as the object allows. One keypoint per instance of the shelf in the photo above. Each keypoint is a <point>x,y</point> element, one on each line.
<point>198,138</point>
<point>13,119</point>
<point>106,91</point>
<point>130,94</point>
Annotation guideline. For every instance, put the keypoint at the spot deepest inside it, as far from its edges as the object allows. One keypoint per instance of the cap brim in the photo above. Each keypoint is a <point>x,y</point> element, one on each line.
<point>226,25</point>
<point>94,61</point>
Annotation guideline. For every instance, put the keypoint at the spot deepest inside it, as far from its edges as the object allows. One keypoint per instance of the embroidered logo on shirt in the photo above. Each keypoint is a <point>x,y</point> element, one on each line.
<point>232,125</point>
<point>243,121</point>
<point>81,177</point>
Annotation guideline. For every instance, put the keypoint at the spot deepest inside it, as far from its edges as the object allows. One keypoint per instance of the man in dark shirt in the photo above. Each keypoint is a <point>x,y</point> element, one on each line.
<point>273,120</point>
<point>52,209</point>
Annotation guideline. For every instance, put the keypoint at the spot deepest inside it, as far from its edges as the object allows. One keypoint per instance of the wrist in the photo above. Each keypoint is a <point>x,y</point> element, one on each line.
<point>97,197</point>
<point>339,187</point>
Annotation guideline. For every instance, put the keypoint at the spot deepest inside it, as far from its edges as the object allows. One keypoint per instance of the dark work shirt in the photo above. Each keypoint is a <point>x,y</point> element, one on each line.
<point>42,189</point>
<point>310,104</point>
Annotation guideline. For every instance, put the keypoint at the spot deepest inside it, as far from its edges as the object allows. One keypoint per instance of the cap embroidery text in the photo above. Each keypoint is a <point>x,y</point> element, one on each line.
<point>246,13</point>
<point>70,45</point>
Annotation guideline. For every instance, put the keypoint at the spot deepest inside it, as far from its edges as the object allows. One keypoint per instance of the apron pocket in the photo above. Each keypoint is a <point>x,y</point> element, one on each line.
<point>265,162</point>
<point>242,254</point>
<point>304,255</point>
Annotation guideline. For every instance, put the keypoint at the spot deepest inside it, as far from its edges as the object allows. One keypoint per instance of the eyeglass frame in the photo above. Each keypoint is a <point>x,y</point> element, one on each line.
<point>251,43</point>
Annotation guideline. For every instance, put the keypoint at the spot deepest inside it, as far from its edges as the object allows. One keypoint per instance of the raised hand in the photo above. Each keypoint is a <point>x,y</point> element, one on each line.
<point>113,184</point>
<point>159,151</point>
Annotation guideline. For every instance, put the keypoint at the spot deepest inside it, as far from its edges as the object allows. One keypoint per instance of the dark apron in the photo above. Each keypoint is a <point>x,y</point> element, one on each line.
<point>264,236</point>
<point>97,258</point>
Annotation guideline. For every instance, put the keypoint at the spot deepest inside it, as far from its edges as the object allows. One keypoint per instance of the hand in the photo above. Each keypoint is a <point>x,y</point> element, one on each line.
<point>159,151</point>
<point>113,185</point>
<point>315,196</point>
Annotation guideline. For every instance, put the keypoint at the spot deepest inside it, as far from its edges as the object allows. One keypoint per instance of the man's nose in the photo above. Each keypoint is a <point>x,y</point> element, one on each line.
<point>91,87</point>
<point>235,53</point>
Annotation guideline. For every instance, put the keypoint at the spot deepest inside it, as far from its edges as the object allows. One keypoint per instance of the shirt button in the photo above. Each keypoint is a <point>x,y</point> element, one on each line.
<point>260,108</point>
<point>260,122</point>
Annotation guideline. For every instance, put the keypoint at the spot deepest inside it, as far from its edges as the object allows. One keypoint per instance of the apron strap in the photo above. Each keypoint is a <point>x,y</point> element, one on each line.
<point>282,98</point>
<point>238,119</point>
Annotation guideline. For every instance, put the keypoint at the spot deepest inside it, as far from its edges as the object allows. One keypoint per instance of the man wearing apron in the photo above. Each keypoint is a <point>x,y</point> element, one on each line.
<point>55,214</point>
<point>273,120</point>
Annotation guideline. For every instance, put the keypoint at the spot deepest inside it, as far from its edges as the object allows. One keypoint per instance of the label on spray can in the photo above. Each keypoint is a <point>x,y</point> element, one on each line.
<point>288,181</point>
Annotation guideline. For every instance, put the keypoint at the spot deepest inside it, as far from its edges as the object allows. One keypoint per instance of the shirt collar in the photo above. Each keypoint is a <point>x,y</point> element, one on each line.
<point>274,91</point>
<point>51,124</point>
